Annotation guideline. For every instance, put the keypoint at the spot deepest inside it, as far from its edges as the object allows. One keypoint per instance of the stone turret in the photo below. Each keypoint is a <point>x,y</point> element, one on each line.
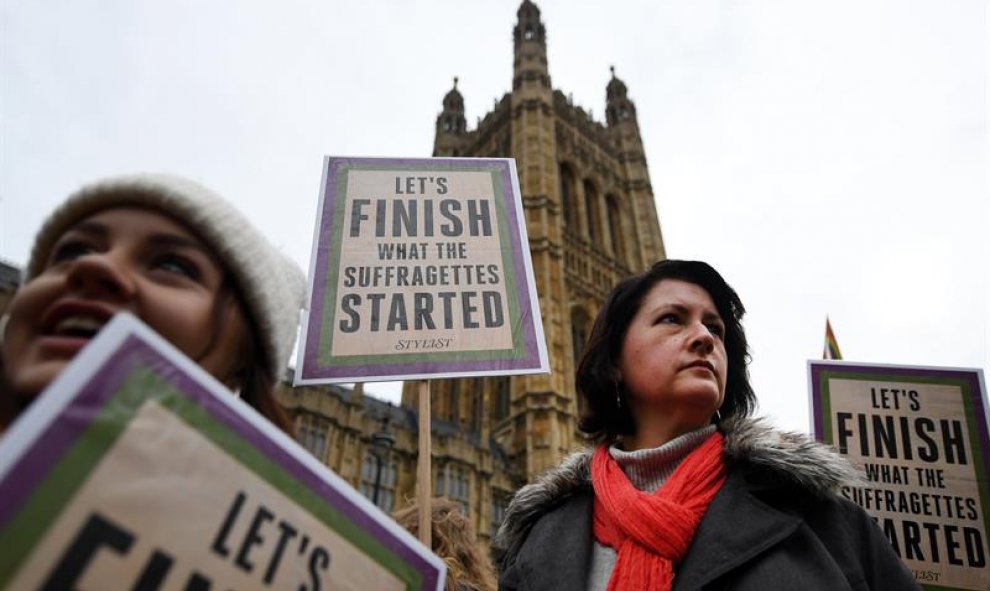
<point>620,114</point>
<point>451,127</point>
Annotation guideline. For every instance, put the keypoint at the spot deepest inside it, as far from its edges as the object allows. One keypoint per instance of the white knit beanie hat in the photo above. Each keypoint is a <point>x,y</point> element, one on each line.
<point>272,285</point>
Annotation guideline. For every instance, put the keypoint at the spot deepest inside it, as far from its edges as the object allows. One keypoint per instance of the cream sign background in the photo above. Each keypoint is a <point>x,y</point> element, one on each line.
<point>420,268</point>
<point>920,436</point>
<point>424,268</point>
<point>137,469</point>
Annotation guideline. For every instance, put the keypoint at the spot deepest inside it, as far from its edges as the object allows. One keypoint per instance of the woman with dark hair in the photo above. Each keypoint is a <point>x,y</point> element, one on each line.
<point>684,490</point>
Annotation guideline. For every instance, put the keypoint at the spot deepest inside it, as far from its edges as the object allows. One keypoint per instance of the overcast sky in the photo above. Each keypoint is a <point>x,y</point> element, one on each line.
<point>829,158</point>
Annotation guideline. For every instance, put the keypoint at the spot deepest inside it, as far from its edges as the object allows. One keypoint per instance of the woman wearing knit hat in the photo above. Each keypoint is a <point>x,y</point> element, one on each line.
<point>175,255</point>
<point>684,492</point>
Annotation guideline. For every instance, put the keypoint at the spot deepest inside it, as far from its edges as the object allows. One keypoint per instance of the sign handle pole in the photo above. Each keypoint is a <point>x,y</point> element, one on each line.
<point>423,477</point>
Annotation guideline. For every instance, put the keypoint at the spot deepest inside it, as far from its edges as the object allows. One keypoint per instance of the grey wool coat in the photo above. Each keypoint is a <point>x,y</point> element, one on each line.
<point>776,524</point>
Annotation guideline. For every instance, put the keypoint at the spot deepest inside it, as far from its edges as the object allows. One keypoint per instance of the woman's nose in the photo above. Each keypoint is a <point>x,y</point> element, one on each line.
<point>702,339</point>
<point>100,274</point>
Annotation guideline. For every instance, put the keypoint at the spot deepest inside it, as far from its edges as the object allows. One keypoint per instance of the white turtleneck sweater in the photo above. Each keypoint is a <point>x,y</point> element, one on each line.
<point>647,470</point>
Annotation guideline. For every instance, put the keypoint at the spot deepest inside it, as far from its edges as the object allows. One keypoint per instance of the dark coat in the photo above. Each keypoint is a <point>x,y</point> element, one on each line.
<point>775,524</point>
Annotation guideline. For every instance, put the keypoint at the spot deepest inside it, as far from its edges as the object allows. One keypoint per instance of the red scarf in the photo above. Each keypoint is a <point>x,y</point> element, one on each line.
<point>652,532</point>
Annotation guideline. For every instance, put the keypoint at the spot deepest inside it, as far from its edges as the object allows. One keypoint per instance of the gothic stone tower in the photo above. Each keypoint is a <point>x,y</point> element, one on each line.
<point>591,220</point>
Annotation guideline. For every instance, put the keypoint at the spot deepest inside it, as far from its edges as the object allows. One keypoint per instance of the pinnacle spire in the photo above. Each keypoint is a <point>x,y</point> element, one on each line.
<point>618,107</point>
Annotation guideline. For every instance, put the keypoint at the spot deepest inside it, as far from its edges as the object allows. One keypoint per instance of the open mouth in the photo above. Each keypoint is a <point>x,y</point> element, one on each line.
<point>76,319</point>
<point>82,327</point>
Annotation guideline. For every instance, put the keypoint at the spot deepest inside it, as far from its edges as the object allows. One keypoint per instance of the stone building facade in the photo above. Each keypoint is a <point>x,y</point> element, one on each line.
<point>591,220</point>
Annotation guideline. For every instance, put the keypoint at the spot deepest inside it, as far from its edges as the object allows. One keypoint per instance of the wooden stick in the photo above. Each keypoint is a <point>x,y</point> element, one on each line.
<point>424,480</point>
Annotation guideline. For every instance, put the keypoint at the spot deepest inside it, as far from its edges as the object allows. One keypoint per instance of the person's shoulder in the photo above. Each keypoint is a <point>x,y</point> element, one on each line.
<point>533,501</point>
<point>786,460</point>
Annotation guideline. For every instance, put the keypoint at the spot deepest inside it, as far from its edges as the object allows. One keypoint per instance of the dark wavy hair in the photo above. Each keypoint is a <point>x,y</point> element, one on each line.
<point>597,374</point>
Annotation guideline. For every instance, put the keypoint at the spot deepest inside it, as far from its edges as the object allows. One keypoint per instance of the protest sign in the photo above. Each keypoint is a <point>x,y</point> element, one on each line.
<point>420,268</point>
<point>137,470</point>
<point>920,436</point>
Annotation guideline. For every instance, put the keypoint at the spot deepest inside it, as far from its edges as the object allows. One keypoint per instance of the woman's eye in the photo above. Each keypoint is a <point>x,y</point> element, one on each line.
<point>717,330</point>
<point>179,265</point>
<point>70,250</point>
<point>667,319</point>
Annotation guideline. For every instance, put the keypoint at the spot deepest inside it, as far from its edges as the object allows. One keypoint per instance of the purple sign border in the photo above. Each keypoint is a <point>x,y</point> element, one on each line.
<point>66,428</point>
<point>311,369</point>
<point>969,376</point>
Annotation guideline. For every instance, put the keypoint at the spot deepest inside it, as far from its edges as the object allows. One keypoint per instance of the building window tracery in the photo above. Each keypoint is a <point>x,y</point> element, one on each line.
<point>477,402</point>
<point>453,482</point>
<point>312,432</point>
<point>615,228</point>
<point>500,502</point>
<point>591,210</point>
<point>503,399</point>
<point>453,400</point>
<point>567,197</point>
<point>580,329</point>
<point>386,480</point>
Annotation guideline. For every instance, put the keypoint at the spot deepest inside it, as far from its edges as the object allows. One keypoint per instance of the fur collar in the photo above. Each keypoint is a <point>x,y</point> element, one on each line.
<point>751,444</point>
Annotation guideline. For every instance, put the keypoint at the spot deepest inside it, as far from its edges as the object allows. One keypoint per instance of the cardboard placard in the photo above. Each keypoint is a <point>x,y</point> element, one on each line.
<point>420,268</point>
<point>920,434</point>
<point>137,469</point>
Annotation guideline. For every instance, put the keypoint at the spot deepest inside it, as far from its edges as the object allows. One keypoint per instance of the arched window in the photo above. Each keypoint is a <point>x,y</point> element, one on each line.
<point>500,502</point>
<point>312,432</point>
<point>477,401</point>
<point>454,400</point>
<point>580,329</point>
<point>591,210</point>
<point>567,197</point>
<point>615,228</point>
<point>453,482</point>
<point>379,474</point>
<point>503,400</point>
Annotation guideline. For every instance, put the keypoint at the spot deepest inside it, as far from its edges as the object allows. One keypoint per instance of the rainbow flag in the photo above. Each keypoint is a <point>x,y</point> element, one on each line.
<point>831,345</point>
